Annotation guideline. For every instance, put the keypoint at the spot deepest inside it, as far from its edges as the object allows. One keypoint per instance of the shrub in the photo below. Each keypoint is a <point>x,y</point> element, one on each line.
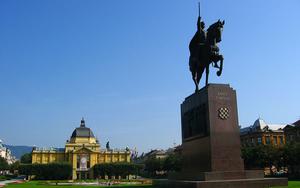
<point>51,171</point>
<point>116,169</point>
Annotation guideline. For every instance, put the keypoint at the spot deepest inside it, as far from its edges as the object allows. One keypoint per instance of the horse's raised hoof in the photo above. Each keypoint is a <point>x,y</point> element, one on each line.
<point>219,73</point>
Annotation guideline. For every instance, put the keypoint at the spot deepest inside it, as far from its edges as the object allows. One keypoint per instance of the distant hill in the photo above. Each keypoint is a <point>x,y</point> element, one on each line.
<point>18,151</point>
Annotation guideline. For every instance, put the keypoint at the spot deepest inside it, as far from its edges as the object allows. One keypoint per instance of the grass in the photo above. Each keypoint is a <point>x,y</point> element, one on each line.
<point>37,184</point>
<point>292,184</point>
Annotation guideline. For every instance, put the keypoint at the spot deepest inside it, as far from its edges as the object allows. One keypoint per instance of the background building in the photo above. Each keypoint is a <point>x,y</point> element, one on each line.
<point>262,133</point>
<point>82,151</point>
<point>292,132</point>
<point>156,154</point>
<point>159,154</point>
<point>6,154</point>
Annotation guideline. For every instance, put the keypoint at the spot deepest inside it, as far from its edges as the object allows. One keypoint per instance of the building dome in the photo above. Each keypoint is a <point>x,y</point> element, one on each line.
<point>82,131</point>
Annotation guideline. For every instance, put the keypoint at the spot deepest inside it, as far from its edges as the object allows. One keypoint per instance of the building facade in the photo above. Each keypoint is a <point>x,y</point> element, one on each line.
<point>262,133</point>
<point>292,132</point>
<point>82,151</point>
<point>6,154</point>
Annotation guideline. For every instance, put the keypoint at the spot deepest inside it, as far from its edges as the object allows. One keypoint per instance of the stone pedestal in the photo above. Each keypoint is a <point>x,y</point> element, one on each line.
<point>210,134</point>
<point>211,147</point>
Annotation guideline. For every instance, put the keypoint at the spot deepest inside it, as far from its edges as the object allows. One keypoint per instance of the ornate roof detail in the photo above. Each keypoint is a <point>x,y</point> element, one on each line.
<point>259,124</point>
<point>297,123</point>
<point>82,131</point>
<point>82,123</point>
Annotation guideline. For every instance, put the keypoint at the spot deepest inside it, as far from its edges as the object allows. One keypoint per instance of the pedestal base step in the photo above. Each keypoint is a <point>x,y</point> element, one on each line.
<point>238,183</point>
<point>211,176</point>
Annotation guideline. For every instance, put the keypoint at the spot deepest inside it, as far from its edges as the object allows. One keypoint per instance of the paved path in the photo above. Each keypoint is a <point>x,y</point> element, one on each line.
<point>2,183</point>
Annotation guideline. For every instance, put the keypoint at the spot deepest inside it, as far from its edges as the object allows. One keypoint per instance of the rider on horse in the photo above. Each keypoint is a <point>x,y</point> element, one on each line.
<point>197,42</point>
<point>204,50</point>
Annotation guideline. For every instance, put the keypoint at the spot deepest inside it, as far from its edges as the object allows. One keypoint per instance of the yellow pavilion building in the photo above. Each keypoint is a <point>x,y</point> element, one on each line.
<point>82,151</point>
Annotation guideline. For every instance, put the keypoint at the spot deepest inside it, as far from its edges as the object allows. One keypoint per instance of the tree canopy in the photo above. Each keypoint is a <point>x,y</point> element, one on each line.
<point>51,171</point>
<point>3,164</point>
<point>26,158</point>
<point>267,156</point>
<point>116,169</point>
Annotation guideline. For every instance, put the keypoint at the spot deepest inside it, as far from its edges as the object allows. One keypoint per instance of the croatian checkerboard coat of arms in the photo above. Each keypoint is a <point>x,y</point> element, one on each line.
<point>223,113</point>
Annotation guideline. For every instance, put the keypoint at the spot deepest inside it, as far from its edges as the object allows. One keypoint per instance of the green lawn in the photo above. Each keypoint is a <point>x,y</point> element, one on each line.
<point>292,184</point>
<point>36,184</point>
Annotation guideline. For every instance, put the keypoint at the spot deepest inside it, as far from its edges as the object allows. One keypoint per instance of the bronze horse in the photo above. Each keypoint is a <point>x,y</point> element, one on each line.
<point>204,50</point>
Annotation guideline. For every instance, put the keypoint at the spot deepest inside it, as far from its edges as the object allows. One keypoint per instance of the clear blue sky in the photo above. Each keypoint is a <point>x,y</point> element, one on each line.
<point>123,65</point>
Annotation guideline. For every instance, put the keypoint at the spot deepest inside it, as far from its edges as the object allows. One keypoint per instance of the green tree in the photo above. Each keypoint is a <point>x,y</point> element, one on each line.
<point>116,169</point>
<point>253,157</point>
<point>172,163</point>
<point>262,156</point>
<point>26,169</point>
<point>291,153</point>
<point>14,166</point>
<point>26,158</point>
<point>153,165</point>
<point>3,164</point>
<point>51,171</point>
<point>270,156</point>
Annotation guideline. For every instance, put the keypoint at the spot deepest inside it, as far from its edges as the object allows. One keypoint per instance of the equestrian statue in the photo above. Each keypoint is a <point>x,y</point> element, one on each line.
<point>204,50</point>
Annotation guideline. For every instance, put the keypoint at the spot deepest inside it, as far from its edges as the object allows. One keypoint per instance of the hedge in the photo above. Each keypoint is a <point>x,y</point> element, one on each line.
<point>51,171</point>
<point>116,169</point>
